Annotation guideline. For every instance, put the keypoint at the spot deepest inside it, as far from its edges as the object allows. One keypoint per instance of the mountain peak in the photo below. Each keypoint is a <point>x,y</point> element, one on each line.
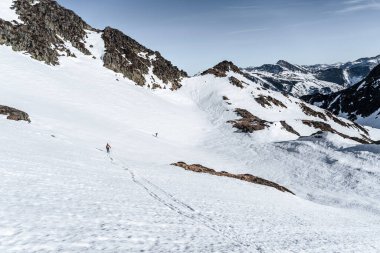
<point>221,69</point>
<point>291,67</point>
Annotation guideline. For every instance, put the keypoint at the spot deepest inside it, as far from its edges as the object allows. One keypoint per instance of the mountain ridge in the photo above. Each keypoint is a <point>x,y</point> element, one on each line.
<point>46,28</point>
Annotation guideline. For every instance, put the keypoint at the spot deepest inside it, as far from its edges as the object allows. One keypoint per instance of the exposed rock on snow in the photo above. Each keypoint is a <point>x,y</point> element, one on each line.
<point>289,128</point>
<point>327,128</point>
<point>221,69</point>
<point>269,101</point>
<point>244,177</point>
<point>125,55</point>
<point>14,114</point>
<point>236,82</point>
<point>248,122</point>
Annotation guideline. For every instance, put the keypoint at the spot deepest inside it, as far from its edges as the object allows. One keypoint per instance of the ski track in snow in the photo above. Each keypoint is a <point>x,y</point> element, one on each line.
<point>184,209</point>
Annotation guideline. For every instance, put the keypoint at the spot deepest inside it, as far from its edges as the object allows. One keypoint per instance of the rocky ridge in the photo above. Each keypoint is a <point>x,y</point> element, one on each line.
<point>47,31</point>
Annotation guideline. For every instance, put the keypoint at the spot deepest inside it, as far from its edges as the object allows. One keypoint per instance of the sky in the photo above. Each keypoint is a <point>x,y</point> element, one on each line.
<point>197,34</point>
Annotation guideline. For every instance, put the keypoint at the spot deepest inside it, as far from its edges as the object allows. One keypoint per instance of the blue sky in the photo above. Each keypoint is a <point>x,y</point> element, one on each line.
<point>197,34</point>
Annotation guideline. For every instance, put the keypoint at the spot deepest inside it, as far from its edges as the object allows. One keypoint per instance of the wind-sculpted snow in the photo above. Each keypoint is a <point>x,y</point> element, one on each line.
<point>61,192</point>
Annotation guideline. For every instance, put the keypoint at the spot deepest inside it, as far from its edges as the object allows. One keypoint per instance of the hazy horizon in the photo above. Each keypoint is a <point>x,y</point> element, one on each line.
<point>196,35</point>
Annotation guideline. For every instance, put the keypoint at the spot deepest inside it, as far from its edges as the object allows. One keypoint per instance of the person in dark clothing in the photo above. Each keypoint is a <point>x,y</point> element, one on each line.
<point>108,147</point>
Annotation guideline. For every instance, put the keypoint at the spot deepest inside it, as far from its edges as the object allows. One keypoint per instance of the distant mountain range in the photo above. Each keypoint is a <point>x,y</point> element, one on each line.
<point>300,80</point>
<point>360,102</point>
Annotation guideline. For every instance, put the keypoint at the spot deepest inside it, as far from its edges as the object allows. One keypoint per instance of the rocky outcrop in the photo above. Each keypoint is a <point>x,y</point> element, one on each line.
<point>125,55</point>
<point>248,123</point>
<point>45,25</point>
<point>327,128</point>
<point>236,82</point>
<point>310,112</point>
<point>244,177</point>
<point>14,114</point>
<point>289,128</point>
<point>222,68</point>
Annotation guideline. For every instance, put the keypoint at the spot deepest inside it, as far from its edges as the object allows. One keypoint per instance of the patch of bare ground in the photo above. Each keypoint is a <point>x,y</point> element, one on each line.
<point>244,177</point>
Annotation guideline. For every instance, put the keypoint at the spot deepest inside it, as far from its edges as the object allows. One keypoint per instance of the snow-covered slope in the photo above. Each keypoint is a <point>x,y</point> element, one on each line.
<point>61,192</point>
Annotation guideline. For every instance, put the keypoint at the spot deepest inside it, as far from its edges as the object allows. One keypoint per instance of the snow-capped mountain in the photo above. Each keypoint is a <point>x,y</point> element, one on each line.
<point>359,102</point>
<point>268,115</point>
<point>345,74</point>
<point>300,80</point>
<point>207,165</point>
<point>291,79</point>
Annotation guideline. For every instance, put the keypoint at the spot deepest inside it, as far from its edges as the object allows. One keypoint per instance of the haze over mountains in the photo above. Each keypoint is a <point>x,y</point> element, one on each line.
<point>230,160</point>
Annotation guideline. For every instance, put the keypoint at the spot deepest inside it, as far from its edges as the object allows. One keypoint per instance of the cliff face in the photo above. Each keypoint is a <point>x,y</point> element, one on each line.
<point>46,31</point>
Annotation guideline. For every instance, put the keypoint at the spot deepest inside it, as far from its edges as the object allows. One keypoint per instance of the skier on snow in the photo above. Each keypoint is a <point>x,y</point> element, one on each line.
<point>108,147</point>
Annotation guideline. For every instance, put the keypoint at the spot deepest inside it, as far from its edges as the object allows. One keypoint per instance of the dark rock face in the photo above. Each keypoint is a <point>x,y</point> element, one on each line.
<point>221,69</point>
<point>43,25</point>
<point>333,75</point>
<point>14,114</point>
<point>359,100</point>
<point>244,177</point>
<point>125,55</point>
